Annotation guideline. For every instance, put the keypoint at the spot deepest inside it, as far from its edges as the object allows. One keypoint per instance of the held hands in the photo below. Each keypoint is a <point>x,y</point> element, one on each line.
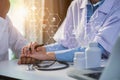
<point>30,53</point>
<point>34,53</point>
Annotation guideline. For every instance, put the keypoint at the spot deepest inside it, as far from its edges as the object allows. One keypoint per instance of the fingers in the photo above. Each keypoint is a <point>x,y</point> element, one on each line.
<point>26,52</point>
<point>24,59</point>
<point>27,60</point>
<point>29,48</point>
<point>33,47</point>
<point>39,49</point>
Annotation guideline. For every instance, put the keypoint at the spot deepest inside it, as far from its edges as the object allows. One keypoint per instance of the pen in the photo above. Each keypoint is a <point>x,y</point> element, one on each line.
<point>40,45</point>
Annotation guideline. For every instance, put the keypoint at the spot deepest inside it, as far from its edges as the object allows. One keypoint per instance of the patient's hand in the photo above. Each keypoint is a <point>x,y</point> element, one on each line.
<point>42,56</point>
<point>24,58</point>
<point>30,54</point>
<point>40,53</point>
<point>28,50</point>
<point>27,60</point>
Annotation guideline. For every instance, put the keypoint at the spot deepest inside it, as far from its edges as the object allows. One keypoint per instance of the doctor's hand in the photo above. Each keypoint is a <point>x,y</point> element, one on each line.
<point>31,49</point>
<point>39,52</point>
<point>36,57</point>
<point>24,58</point>
<point>39,55</point>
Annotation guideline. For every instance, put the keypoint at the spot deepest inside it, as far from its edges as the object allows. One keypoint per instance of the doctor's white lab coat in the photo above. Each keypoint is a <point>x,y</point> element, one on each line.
<point>103,26</point>
<point>9,38</point>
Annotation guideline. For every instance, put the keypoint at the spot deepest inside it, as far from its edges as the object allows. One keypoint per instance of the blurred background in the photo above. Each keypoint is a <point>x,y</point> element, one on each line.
<point>38,20</point>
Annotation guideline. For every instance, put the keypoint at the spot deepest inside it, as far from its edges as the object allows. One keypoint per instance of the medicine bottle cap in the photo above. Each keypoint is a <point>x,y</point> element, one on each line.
<point>93,44</point>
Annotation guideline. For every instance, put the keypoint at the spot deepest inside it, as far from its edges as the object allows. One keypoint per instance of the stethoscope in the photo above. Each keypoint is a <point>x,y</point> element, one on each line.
<point>47,67</point>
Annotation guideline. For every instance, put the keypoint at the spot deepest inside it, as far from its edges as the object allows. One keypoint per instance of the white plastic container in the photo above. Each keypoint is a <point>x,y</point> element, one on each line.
<point>79,60</point>
<point>93,55</point>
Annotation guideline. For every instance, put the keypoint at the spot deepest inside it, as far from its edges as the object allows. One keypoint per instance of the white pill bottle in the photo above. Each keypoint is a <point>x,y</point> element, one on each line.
<point>93,55</point>
<point>79,60</point>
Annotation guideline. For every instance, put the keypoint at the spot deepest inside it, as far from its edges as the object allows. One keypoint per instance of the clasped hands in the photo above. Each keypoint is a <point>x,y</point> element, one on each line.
<point>32,53</point>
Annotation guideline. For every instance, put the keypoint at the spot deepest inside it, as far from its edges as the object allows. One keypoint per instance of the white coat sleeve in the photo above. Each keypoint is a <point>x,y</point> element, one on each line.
<point>16,40</point>
<point>65,35</point>
<point>108,33</point>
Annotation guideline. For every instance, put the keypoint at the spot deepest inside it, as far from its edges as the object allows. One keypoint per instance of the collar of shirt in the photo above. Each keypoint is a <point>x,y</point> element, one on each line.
<point>96,5</point>
<point>99,3</point>
<point>3,22</point>
<point>87,2</point>
<point>2,19</point>
<point>92,7</point>
<point>105,8</point>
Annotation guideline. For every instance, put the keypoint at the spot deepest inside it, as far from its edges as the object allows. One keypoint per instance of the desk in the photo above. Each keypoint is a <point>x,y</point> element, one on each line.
<point>13,70</point>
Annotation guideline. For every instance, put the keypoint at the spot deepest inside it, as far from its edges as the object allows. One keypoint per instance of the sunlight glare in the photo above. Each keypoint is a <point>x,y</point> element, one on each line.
<point>22,11</point>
